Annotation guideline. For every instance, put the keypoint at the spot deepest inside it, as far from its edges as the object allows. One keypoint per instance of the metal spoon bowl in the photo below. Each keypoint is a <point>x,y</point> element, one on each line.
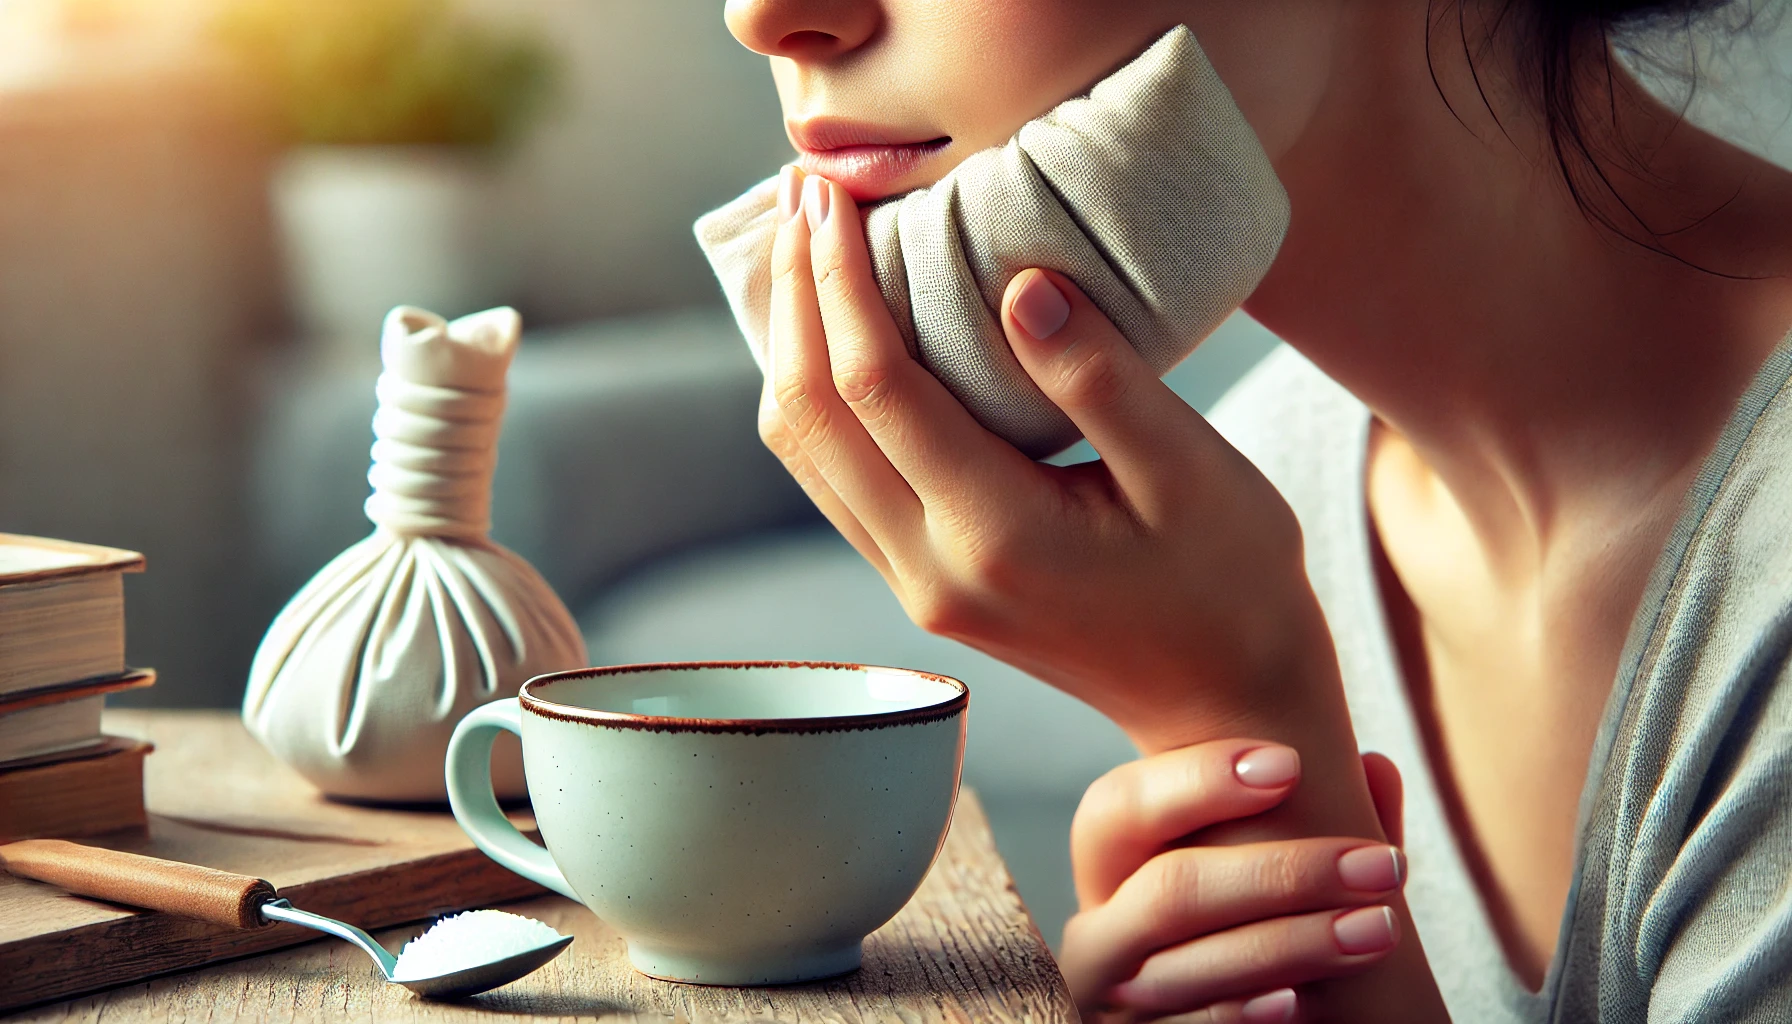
<point>453,985</point>
<point>242,901</point>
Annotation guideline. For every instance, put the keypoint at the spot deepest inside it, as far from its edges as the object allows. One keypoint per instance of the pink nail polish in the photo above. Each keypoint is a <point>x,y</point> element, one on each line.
<point>1040,308</point>
<point>1273,1008</point>
<point>790,192</point>
<point>1365,931</point>
<point>1371,869</point>
<point>1268,767</point>
<point>816,196</point>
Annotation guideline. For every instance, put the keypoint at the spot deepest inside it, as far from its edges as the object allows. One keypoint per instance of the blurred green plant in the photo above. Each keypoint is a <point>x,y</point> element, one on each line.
<point>389,72</point>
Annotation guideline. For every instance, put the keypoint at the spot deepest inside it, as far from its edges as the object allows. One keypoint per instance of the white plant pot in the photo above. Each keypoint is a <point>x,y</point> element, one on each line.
<point>367,228</point>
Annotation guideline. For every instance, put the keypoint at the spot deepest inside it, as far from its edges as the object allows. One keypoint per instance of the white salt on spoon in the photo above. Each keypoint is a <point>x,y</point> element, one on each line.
<point>457,956</point>
<point>462,946</point>
<point>460,941</point>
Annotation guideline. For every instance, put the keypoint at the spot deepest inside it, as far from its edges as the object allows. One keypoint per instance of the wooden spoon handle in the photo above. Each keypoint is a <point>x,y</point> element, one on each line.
<point>187,890</point>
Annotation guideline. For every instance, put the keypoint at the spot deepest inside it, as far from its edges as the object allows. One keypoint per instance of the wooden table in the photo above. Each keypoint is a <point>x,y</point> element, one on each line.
<point>963,950</point>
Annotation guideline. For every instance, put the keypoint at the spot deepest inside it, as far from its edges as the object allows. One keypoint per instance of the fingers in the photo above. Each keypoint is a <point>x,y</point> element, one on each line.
<point>1279,1007</point>
<point>1246,920</point>
<point>1261,957</point>
<point>1204,890</point>
<point>1130,814</point>
<point>1389,794</point>
<point>838,449</point>
<point>1148,437</point>
<point>777,437</point>
<point>933,441</point>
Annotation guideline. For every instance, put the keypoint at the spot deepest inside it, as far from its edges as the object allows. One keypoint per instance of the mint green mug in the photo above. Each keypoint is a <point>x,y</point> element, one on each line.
<point>738,823</point>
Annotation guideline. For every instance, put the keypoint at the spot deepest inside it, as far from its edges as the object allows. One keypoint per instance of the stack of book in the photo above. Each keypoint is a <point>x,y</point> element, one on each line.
<point>61,652</point>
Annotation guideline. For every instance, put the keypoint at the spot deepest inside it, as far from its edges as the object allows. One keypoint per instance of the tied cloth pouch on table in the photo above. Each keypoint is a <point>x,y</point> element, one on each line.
<point>363,676</point>
<point>1152,193</point>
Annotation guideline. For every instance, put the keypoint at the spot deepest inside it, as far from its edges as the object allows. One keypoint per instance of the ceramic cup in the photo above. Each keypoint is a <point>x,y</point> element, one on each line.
<point>739,823</point>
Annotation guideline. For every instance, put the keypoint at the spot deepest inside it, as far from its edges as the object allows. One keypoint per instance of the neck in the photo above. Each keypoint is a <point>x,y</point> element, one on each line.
<point>1545,369</point>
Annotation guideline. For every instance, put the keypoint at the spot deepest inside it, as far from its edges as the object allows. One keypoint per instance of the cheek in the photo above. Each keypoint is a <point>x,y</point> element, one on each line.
<point>996,64</point>
<point>790,95</point>
<point>974,70</point>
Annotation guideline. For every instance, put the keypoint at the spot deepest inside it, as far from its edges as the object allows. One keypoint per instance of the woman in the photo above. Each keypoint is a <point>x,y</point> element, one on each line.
<point>1512,512</point>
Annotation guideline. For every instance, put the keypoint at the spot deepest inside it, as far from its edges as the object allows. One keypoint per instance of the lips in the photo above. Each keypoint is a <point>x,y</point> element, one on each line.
<point>867,160</point>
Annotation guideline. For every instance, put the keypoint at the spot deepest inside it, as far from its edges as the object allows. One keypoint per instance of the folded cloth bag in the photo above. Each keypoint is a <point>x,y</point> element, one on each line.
<point>1152,193</point>
<point>363,676</point>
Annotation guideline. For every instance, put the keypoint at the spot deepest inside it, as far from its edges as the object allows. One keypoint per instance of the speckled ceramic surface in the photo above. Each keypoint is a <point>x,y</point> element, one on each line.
<point>741,823</point>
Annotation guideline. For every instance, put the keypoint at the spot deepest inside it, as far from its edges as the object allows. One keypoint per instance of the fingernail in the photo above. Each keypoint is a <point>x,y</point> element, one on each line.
<point>1268,767</point>
<point>1369,930</point>
<point>790,191</point>
<point>815,201</point>
<point>1040,308</point>
<point>1274,1008</point>
<point>1372,869</point>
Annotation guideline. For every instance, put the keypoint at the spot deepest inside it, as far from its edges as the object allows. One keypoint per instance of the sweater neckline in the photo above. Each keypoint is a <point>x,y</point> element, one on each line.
<point>1350,519</point>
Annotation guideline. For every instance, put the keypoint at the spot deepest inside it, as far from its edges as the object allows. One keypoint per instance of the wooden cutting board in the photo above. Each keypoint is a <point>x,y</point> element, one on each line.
<point>217,798</point>
<point>964,950</point>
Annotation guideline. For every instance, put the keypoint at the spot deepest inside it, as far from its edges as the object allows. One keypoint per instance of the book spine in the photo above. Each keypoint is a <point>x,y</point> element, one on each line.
<point>74,798</point>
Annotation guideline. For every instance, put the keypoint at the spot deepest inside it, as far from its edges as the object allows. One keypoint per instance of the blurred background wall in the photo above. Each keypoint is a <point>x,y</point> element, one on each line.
<point>142,289</point>
<point>138,284</point>
<point>664,116</point>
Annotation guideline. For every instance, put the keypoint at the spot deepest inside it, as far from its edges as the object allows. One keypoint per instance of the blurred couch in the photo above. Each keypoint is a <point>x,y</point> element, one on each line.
<point>631,474</point>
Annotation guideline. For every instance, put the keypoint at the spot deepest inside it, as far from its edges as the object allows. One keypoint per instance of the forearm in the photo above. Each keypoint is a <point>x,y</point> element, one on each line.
<point>1333,800</point>
<point>1303,706</point>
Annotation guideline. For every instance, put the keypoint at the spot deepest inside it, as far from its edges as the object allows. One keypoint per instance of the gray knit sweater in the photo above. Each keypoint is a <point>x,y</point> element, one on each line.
<point>1681,908</point>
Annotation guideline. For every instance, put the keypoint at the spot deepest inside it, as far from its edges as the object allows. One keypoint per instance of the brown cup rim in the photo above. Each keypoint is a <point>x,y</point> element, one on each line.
<point>538,705</point>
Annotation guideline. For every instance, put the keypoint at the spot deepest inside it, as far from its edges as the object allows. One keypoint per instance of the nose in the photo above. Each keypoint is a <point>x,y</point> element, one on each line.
<point>803,29</point>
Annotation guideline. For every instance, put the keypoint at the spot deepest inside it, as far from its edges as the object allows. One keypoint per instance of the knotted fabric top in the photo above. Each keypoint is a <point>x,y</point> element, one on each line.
<point>1151,192</point>
<point>441,403</point>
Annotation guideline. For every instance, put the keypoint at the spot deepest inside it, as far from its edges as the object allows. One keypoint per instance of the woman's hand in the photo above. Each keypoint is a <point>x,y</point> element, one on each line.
<point>1220,934</point>
<point>1162,584</point>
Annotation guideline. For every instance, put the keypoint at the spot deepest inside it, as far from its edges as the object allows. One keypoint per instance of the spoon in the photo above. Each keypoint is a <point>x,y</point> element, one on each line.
<point>458,956</point>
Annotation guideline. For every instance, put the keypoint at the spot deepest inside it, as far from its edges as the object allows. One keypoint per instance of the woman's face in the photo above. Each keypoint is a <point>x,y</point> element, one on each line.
<point>884,96</point>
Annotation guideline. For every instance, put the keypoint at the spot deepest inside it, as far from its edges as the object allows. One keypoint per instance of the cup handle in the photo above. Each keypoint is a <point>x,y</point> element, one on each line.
<point>476,807</point>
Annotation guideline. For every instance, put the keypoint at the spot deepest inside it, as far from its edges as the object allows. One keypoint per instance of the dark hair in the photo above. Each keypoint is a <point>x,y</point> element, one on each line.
<point>1560,46</point>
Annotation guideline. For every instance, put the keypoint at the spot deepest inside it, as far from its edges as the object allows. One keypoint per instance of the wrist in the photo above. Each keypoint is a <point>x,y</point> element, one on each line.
<point>1272,679</point>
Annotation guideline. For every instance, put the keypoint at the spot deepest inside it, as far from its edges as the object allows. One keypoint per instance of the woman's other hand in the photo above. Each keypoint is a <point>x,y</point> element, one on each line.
<point>1215,934</point>
<point>1162,584</point>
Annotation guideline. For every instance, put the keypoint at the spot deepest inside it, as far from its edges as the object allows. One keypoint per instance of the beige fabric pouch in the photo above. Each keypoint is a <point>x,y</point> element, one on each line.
<point>362,677</point>
<point>1152,193</point>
